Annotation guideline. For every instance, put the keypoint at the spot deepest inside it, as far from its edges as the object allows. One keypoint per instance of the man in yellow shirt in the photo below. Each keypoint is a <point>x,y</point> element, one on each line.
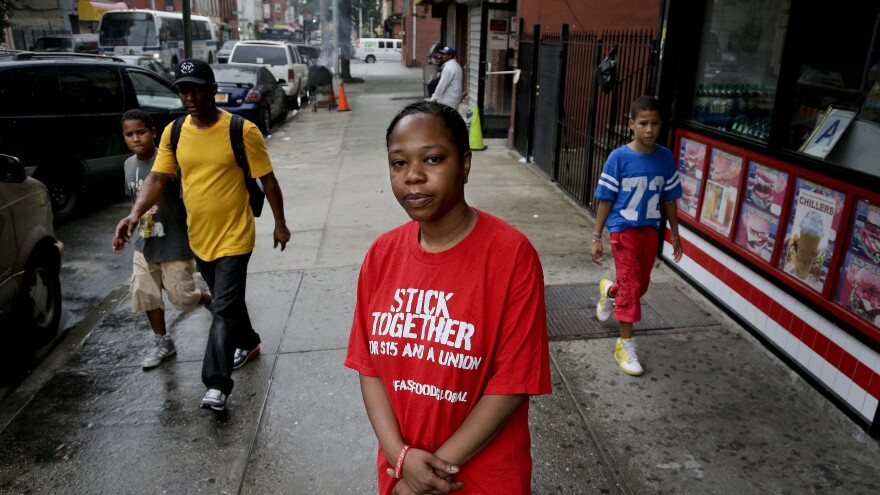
<point>219,218</point>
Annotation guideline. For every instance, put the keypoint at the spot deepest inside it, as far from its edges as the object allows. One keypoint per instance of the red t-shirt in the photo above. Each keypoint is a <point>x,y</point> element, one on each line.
<point>443,329</point>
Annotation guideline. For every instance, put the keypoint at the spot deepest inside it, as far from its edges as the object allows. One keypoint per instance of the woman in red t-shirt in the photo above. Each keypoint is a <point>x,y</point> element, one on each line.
<point>449,333</point>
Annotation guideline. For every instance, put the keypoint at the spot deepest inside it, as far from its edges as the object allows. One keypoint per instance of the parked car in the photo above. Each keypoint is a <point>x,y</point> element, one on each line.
<point>252,92</point>
<point>372,49</point>
<point>150,63</point>
<point>60,115</point>
<point>30,260</point>
<point>77,43</point>
<point>225,50</point>
<point>281,58</point>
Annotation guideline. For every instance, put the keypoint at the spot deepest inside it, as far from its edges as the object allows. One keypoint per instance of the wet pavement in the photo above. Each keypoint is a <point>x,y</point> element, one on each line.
<point>714,413</point>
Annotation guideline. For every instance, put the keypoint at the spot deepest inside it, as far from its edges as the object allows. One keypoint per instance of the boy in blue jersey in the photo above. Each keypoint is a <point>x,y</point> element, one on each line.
<point>638,182</point>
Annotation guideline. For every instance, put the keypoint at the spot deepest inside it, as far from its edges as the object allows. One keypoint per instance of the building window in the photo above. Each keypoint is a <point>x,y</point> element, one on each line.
<point>738,66</point>
<point>838,63</point>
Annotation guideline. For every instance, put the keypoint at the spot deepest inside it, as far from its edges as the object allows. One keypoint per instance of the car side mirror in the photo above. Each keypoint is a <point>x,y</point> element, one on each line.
<point>282,81</point>
<point>11,170</point>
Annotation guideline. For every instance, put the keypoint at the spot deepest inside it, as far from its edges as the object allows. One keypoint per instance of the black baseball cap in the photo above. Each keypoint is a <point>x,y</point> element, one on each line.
<point>194,71</point>
<point>447,51</point>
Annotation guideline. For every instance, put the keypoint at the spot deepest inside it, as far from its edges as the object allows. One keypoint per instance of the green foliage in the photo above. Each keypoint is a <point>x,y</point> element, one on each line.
<point>6,7</point>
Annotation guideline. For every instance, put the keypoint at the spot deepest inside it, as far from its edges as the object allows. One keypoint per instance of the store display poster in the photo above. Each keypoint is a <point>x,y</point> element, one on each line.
<point>811,232</point>
<point>765,188</point>
<point>691,158</point>
<point>757,231</point>
<point>859,289</point>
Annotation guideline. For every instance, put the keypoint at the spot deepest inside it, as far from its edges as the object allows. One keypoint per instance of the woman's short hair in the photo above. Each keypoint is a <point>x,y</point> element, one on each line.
<point>456,125</point>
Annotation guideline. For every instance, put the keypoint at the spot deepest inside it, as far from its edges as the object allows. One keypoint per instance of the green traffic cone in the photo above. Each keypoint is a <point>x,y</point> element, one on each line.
<point>476,132</point>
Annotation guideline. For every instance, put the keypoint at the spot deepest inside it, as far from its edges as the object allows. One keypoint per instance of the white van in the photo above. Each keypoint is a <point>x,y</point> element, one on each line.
<point>372,49</point>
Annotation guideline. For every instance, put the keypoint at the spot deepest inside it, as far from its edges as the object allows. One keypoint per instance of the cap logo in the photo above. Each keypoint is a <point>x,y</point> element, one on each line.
<point>187,68</point>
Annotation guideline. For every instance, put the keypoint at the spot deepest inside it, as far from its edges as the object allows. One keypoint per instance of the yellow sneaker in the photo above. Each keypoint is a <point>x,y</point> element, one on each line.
<point>626,357</point>
<point>605,306</point>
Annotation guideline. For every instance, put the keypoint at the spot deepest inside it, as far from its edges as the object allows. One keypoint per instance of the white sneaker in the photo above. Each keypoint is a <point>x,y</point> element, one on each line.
<point>214,399</point>
<point>627,358</point>
<point>163,347</point>
<point>605,306</point>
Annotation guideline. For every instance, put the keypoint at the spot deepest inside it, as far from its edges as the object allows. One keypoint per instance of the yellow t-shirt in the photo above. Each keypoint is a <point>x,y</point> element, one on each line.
<point>219,218</point>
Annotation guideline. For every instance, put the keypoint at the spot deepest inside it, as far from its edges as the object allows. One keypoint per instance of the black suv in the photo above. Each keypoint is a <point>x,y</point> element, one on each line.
<point>60,115</point>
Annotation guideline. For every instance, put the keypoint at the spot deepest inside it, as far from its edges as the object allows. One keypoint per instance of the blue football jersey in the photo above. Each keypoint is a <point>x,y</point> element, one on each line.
<point>636,183</point>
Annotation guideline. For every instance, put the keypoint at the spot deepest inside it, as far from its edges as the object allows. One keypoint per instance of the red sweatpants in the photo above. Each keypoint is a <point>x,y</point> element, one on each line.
<point>635,251</point>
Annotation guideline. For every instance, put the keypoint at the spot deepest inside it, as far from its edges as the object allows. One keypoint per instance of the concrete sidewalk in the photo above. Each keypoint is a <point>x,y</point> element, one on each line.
<point>714,413</point>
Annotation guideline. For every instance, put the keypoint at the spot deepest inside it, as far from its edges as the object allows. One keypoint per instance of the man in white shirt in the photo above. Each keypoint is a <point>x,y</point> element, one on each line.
<point>448,91</point>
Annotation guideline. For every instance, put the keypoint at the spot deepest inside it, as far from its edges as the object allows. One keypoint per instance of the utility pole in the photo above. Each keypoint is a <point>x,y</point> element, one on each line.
<point>187,31</point>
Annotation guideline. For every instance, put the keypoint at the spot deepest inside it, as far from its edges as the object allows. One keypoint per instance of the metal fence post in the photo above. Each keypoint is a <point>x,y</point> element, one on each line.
<point>536,66</point>
<point>591,126</point>
<point>560,106</point>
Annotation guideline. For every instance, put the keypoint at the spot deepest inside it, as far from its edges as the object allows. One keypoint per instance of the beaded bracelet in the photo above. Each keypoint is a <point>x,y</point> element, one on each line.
<point>399,467</point>
<point>597,237</point>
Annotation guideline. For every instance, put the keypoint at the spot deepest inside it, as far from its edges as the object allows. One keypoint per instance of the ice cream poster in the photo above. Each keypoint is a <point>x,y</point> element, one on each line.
<point>859,289</point>
<point>691,158</point>
<point>766,187</point>
<point>811,233</point>
<point>757,231</point>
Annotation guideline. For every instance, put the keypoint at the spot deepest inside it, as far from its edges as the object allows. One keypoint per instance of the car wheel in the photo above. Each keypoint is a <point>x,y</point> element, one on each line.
<point>265,120</point>
<point>40,299</point>
<point>64,193</point>
<point>370,59</point>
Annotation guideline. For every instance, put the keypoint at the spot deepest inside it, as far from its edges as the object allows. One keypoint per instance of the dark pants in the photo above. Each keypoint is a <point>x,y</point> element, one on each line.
<point>231,327</point>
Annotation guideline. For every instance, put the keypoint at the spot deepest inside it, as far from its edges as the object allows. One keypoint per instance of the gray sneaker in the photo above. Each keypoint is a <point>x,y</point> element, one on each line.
<point>214,399</point>
<point>163,347</point>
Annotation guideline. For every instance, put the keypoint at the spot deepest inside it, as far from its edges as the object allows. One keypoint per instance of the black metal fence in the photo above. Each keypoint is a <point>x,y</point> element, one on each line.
<point>577,122</point>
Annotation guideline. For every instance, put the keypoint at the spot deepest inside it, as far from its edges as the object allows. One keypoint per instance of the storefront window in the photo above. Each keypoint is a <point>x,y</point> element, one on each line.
<point>839,64</point>
<point>739,64</point>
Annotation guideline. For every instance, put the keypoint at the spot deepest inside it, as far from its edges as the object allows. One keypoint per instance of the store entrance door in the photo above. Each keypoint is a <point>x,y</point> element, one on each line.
<point>496,72</point>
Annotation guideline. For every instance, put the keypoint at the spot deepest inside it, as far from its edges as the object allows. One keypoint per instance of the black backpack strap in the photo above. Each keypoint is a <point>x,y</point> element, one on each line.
<point>175,134</point>
<point>236,135</point>
<point>172,144</point>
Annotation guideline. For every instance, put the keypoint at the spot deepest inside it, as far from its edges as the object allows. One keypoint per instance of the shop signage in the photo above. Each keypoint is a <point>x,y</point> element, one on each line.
<point>827,133</point>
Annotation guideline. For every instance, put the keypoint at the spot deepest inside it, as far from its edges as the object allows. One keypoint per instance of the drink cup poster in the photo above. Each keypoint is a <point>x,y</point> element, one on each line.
<point>721,193</point>
<point>811,233</point>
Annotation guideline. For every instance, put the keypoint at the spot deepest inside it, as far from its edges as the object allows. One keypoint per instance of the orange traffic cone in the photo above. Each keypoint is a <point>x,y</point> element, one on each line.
<point>343,103</point>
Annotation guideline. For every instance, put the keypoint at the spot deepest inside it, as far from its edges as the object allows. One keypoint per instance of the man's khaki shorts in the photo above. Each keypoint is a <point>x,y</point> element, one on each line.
<point>176,277</point>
